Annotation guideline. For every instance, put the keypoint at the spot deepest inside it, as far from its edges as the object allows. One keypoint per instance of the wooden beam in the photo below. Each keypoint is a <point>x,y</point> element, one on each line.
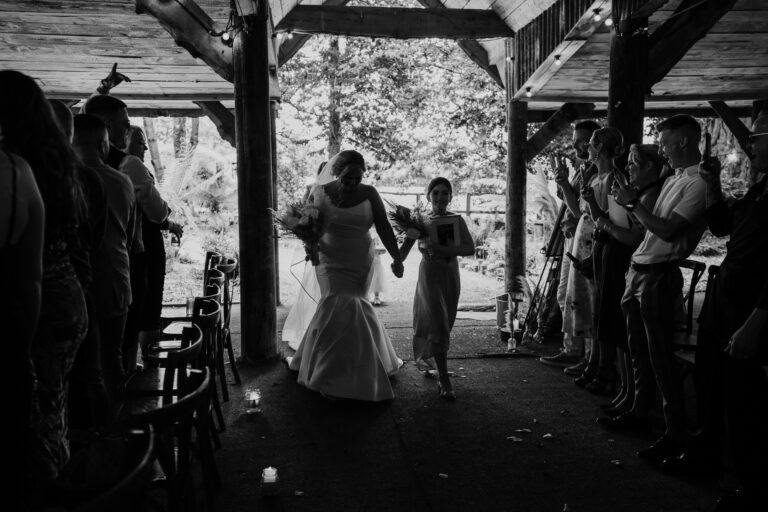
<point>627,72</point>
<point>289,47</point>
<point>222,118</point>
<point>732,121</point>
<point>514,254</point>
<point>472,48</point>
<point>193,30</point>
<point>254,177</point>
<point>671,41</point>
<point>395,22</point>
<point>555,125</point>
<point>576,37</point>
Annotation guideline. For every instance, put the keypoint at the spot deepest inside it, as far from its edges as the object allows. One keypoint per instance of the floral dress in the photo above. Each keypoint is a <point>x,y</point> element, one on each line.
<point>580,295</point>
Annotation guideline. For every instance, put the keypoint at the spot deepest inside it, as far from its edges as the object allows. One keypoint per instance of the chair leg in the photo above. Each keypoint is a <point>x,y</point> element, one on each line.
<point>217,406</point>
<point>231,352</point>
<point>220,367</point>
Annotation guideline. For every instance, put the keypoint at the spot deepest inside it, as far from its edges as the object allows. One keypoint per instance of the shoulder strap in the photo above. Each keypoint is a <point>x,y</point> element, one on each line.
<point>14,179</point>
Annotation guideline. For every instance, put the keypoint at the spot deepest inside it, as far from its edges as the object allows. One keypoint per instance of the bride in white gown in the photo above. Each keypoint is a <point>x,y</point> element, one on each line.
<point>345,351</point>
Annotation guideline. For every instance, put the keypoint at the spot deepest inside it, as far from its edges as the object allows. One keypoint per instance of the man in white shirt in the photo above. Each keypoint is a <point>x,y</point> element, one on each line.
<point>654,284</point>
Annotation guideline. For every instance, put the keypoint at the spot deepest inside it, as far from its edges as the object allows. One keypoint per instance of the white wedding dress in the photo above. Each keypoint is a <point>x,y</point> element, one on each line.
<point>345,351</point>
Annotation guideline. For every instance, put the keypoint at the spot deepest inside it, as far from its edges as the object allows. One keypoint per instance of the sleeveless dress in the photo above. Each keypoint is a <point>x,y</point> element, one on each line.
<point>346,352</point>
<point>434,307</point>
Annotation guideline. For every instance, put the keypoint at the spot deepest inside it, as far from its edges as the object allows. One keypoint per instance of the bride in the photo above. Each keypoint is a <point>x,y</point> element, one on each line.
<point>345,351</point>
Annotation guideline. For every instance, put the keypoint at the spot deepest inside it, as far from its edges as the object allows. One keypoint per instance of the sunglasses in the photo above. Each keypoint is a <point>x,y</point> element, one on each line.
<point>752,136</point>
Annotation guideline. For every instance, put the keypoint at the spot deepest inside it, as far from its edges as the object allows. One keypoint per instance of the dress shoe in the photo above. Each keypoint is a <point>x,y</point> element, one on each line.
<point>577,369</point>
<point>664,448</point>
<point>625,421</point>
<point>690,463</point>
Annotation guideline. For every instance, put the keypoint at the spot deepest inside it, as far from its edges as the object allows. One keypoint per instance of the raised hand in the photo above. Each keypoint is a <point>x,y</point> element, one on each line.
<point>621,190</point>
<point>560,170</point>
<point>709,171</point>
<point>588,193</point>
<point>112,80</point>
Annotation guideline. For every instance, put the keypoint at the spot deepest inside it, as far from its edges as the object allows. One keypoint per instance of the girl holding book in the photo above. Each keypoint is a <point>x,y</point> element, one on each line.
<point>438,287</point>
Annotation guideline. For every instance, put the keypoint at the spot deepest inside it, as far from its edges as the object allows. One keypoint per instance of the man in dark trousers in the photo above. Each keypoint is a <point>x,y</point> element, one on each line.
<point>732,342</point>
<point>152,211</point>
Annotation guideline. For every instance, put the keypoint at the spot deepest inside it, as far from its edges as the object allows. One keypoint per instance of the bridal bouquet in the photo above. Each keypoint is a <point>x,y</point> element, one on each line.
<point>305,222</point>
<point>408,222</point>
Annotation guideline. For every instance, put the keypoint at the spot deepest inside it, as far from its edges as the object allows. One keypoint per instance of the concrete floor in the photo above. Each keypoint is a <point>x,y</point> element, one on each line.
<point>520,437</point>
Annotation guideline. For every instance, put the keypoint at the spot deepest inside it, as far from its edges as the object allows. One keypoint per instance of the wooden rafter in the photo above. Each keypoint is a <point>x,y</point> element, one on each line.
<point>732,121</point>
<point>289,47</point>
<point>671,41</point>
<point>472,48</point>
<point>222,117</point>
<point>555,125</point>
<point>193,30</point>
<point>572,42</point>
<point>395,22</point>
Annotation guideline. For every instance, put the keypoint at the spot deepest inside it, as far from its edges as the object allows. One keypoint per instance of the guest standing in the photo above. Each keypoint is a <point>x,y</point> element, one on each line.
<point>30,130</point>
<point>438,288</point>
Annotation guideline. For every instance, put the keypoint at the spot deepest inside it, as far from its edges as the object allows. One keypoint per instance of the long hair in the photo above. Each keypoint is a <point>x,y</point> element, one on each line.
<point>30,130</point>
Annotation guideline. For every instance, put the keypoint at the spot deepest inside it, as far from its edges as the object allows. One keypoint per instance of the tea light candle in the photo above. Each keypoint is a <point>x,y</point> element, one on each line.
<point>269,475</point>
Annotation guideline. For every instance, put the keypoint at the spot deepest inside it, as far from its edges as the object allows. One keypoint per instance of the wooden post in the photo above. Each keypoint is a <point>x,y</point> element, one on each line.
<point>627,74</point>
<point>275,203</point>
<point>514,261</point>
<point>254,176</point>
<point>469,204</point>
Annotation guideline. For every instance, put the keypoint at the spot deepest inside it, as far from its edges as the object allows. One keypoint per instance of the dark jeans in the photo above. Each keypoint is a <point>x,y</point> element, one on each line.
<point>111,331</point>
<point>648,304</point>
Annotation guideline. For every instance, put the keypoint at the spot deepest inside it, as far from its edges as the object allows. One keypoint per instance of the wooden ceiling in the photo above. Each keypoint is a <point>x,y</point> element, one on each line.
<point>70,45</point>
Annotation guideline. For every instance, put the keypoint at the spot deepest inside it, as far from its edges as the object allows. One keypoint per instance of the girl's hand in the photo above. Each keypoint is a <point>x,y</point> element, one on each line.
<point>588,193</point>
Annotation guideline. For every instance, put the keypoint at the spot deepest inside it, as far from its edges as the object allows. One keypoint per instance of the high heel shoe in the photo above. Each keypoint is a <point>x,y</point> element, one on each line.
<point>587,376</point>
<point>604,382</point>
<point>445,390</point>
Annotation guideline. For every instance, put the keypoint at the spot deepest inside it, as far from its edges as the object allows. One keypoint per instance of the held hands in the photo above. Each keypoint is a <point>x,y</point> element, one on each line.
<point>397,268</point>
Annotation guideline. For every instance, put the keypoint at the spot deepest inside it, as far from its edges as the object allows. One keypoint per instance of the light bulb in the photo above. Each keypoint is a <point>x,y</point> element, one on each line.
<point>288,35</point>
<point>528,92</point>
<point>226,37</point>
<point>558,62</point>
<point>608,22</point>
<point>596,18</point>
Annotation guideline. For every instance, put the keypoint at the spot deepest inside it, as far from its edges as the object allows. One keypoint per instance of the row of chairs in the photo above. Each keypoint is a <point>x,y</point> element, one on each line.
<point>169,416</point>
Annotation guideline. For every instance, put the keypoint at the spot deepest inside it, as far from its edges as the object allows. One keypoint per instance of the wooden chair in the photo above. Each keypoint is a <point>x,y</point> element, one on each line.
<point>113,472</point>
<point>228,268</point>
<point>167,371</point>
<point>206,315</point>
<point>183,438</point>
<point>212,258</point>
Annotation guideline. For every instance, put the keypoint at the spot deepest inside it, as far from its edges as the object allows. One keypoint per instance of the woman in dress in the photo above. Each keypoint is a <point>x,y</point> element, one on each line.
<point>345,351</point>
<point>30,131</point>
<point>437,290</point>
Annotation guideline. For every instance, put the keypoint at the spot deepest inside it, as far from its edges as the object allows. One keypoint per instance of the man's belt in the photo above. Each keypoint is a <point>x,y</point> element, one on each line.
<point>655,267</point>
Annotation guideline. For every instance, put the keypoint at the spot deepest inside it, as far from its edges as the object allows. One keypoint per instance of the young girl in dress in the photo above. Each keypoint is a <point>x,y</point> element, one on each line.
<point>438,288</point>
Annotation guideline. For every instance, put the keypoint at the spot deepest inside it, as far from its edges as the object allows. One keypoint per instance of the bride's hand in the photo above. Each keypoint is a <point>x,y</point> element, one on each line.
<point>397,268</point>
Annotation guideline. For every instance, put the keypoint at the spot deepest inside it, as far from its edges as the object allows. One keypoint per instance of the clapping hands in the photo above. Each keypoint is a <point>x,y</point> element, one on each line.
<point>621,190</point>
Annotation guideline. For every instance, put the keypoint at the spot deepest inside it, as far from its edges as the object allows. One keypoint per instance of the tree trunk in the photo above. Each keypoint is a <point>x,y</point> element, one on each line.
<point>179,136</point>
<point>334,118</point>
<point>154,152</point>
<point>194,134</point>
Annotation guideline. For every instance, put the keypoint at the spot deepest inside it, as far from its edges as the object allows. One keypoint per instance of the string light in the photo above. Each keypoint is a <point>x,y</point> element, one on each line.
<point>289,34</point>
<point>226,37</point>
<point>597,18</point>
<point>528,92</point>
<point>558,62</point>
<point>608,22</point>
